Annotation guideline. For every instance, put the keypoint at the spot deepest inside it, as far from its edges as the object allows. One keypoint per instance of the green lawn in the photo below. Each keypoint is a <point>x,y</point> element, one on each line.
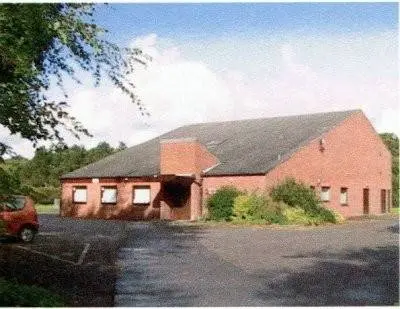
<point>14,294</point>
<point>46,209</point>
<point>395,210</point>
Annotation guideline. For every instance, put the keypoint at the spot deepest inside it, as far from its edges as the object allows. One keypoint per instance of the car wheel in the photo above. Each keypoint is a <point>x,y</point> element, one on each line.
<point>27,234</point>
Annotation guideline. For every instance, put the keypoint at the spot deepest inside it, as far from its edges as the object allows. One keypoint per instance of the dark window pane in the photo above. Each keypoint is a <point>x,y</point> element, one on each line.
<point>16,203</point>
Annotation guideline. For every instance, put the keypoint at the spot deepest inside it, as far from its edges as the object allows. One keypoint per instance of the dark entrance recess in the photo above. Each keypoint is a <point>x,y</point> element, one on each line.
<point>383,201</point>
<point>366,201</point>
<point>177,193</point>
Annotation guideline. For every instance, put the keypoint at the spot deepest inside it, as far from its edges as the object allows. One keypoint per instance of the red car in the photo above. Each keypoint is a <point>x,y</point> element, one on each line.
<point>18,217</point>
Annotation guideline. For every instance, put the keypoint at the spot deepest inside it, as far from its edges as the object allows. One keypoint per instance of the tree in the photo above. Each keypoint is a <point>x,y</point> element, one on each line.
<point>41,42</point>
<point>40,176</point>
<point>392,143</point>
<point>121,146</point>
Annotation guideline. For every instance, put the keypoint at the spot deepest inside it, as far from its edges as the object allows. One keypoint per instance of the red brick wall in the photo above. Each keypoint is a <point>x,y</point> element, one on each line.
<point>184,156</point>
<point>124,207</point>
<point>354,157</point>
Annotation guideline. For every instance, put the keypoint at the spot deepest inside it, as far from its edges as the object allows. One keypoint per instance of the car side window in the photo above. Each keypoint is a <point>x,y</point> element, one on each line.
<point>16,203</point>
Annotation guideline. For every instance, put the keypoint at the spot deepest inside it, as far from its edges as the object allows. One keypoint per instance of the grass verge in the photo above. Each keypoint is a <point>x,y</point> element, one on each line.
<point>91,284</point>
<point>46,209</point>
<point>13,294</point>
<point>395,210</point>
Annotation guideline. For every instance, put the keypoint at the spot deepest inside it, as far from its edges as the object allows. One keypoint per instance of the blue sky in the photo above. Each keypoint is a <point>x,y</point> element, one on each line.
<point>207,20</point>
<point>218,62</point>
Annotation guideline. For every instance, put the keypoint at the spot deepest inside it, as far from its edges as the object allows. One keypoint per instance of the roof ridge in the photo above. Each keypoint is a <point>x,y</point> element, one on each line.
<point>350,111</point>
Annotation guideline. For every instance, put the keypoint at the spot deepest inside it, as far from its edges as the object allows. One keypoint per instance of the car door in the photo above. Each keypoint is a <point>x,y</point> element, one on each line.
<point>2,223</point>
<point>12,213</point>
<point>4,217</point>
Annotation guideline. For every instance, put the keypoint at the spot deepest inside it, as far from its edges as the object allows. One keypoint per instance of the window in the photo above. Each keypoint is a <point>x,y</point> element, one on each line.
<point>141,195</point>
<point>13,203</point>
<point>343,196</point>
<point>79,194</point>
<point>108,195</point>
<point>325,194</point>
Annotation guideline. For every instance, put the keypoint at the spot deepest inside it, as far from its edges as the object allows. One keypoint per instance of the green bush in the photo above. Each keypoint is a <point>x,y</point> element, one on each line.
<point>258,207</point>
<point>290,202</point>
<point>339,218</point>
<point>326,215</point>
<point>295,194</point>
<point>13,294</point>
<point>241,207</point>
<point>220,204</point>
<point>300,195</point>
<point>45,195</point>
<point>296,215</point>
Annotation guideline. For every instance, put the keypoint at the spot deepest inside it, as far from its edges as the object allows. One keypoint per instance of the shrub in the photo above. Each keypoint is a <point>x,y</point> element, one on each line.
<point>220,204</point>
<point>339,218</point>
<point>295,194</point>
<point>258,207</point>
<point>300,195</point>
<point>45,195</point>
<point>241,207</point>
<point>325,215</point>
<point>296,215</point>
<point>13,294</point>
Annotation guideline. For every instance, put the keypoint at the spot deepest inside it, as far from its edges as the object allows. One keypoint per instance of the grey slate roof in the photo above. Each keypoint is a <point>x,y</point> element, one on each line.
<point>251,146</point>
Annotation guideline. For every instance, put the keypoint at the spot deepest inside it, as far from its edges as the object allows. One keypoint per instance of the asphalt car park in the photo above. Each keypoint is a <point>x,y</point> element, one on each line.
<point>72,257</point>
<point>356,263</point>
<point>122,263</point>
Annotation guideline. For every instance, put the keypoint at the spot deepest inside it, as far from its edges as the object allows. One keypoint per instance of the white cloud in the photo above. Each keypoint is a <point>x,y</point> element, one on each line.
<point>249,77</point>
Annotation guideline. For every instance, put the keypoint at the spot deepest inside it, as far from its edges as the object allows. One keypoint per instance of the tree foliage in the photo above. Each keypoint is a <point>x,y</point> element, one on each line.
<point>40,46</point>
<point>42,43</point>
<point>39,176</point>
<point>392,143</point>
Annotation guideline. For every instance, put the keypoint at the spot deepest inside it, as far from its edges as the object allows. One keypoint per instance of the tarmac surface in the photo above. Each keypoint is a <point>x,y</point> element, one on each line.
<point>356,263</point>
<point>121,263</point>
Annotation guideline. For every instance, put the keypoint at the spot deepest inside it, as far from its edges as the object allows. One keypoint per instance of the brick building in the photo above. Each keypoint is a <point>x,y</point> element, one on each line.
<point>339,154</point>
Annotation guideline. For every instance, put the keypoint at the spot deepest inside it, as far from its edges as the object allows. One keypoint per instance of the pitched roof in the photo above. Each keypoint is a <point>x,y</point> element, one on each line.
<point>252,146</point>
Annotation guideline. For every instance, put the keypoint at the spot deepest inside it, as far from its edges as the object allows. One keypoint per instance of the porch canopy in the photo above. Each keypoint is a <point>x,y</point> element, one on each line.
<point>181,197</point>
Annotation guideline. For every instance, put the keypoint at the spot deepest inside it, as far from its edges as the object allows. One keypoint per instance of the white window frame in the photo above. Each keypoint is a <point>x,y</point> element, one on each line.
<point>141,195</point>
<point>344,196</point>
<point>104,194</point>
<point>76,190</point>
<point>325,194</point>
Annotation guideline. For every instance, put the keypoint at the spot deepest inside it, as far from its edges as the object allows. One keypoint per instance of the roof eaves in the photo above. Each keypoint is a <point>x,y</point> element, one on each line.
<point>210,168</point>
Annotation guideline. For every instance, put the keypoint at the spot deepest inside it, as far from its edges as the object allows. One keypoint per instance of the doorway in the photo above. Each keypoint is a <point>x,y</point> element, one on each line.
<point>383,201</point>
<point>366,201</point>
